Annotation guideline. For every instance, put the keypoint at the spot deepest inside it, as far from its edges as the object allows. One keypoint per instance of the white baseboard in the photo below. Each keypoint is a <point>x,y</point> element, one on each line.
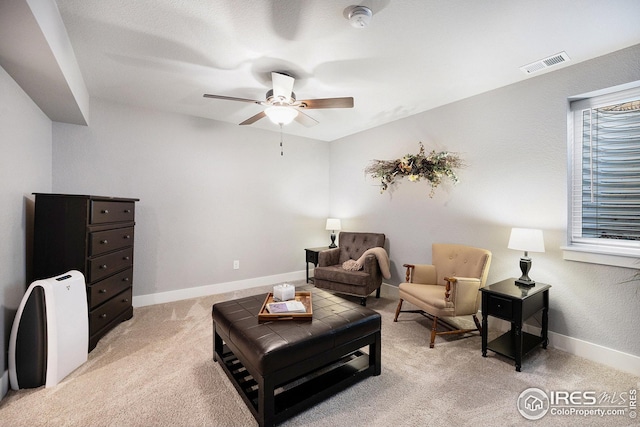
<point>218,288</point>
<point>4,384</point>
<point>606,356</point>
<point>615,359</point>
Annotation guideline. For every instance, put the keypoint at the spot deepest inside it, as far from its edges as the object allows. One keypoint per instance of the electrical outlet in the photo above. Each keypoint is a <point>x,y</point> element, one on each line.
<point>236,264</point>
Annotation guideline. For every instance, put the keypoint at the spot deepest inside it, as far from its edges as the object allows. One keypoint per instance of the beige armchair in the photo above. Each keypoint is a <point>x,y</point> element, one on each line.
<point>367,249</point>
<point>449,287</point>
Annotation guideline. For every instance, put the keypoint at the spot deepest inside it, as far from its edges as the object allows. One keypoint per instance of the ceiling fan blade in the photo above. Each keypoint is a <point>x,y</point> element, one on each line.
<point>254,119</point>
<point>346,102</point>
<point>305,119</point>
<point>282,85</point>
<point>231,98</point>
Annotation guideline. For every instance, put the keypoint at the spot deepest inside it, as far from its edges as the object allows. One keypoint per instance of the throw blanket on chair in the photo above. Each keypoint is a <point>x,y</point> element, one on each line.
<point>381,255</point>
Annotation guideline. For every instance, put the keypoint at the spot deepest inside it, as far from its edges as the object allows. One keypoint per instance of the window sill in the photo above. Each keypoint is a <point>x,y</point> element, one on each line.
<point>617,257</point>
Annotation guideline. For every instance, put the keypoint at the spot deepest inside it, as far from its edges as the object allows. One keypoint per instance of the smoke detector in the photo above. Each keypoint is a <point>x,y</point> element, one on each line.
<point>360,16</point>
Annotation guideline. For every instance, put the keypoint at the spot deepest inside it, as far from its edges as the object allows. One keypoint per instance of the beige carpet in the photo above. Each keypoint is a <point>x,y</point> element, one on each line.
<point>157,370</point>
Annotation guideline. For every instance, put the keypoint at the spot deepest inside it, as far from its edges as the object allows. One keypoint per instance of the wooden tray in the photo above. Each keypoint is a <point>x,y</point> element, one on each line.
<point>303,297</point>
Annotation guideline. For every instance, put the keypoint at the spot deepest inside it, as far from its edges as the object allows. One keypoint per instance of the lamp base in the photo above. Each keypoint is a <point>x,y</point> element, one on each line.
<point>525,266</point>
<point>527,283</point>
<point>333,241</point>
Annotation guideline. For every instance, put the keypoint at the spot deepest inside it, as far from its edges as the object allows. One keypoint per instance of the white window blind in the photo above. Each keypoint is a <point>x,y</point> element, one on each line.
<point>605,171</point>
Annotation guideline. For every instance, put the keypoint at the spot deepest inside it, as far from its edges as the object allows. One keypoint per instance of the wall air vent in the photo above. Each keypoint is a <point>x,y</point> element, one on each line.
<point>551,61</point>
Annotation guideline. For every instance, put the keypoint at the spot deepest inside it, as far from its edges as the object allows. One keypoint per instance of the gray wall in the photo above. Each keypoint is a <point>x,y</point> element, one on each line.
<point>514,141</point>
<point>25,167</point>
<point>213,192</point>
<point>210,192</point>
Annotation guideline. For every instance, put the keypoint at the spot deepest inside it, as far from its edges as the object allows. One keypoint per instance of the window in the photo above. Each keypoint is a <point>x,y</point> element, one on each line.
<point>604,181</point>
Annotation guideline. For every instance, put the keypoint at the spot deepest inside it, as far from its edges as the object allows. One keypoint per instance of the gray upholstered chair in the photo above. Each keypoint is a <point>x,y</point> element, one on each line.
<point>330,274</point>
<point>448,288</point>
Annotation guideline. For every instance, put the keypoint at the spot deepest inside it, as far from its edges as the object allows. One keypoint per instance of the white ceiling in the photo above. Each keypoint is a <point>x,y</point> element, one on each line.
<point>414,56</point>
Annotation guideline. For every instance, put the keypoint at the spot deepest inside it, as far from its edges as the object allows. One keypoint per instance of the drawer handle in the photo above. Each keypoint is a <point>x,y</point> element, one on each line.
<point>102,291</point>
<point>126,258</point>
<point>127,211</point>
<point>103,267</point>
<point>126,279</point>
<point>103,315</point>
<point>104,242</point>
<point>105,211</point>
<point>125,300</point>
<point>127,236</point>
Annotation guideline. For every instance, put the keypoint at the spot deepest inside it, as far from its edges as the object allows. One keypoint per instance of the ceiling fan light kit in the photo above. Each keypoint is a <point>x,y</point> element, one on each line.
<point>280,114</point>
<point>360,16</point>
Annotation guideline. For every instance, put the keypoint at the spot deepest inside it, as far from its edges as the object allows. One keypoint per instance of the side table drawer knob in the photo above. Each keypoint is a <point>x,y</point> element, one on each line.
<point>500,307</point>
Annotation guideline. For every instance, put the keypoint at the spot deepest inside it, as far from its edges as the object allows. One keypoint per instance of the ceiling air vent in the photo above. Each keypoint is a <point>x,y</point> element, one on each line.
<point>551,61</point>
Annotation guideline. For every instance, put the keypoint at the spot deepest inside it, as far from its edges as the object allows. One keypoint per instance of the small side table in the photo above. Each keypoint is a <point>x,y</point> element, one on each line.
<point>312,255</point>
<point>508,301</point>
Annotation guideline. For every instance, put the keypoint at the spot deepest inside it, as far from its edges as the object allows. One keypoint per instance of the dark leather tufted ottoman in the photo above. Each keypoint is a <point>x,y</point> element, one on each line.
<point>282,367</point>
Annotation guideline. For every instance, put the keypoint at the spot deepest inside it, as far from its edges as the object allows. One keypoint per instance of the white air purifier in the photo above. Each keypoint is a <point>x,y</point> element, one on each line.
<point>50,334</point>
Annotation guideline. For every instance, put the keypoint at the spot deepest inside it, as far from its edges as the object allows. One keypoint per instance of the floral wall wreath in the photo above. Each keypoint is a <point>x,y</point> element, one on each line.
<point>416,167</point>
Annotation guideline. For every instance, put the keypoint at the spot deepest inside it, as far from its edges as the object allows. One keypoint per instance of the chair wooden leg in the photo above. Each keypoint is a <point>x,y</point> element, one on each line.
<point>378,293</point>
<point>475,319</point>
<point>395,319</point>
<point>434,329</point>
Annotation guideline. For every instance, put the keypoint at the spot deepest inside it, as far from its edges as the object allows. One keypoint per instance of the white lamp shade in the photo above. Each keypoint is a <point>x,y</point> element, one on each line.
<point>333,224</point>
<point>526,239</point>
<point>281,115</point>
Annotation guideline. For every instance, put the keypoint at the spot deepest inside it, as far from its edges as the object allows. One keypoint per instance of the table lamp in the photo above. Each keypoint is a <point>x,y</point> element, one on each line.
<point>333,224</point>
<point>527,240</point>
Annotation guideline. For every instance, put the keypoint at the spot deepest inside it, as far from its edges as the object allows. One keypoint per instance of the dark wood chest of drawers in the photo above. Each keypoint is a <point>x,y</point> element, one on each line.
<point>94,235</point>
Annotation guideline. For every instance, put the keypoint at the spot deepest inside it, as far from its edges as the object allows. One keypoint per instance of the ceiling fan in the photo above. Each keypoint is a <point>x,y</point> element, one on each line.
<point>282,105</point>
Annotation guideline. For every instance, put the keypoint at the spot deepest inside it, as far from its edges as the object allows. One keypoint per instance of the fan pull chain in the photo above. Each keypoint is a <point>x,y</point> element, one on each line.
<point>281,151</point>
